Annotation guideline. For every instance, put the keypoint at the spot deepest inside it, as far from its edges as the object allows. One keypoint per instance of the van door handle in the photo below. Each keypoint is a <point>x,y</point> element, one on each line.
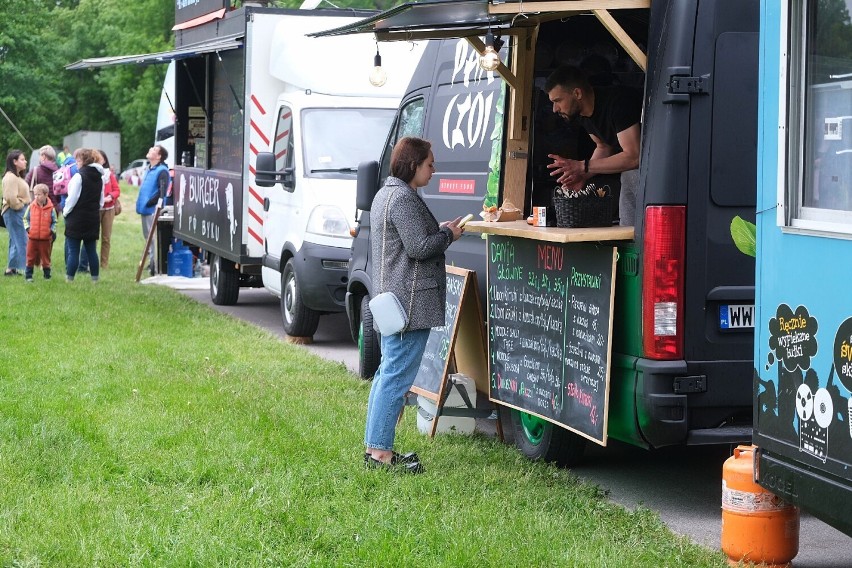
<point>266,204</point>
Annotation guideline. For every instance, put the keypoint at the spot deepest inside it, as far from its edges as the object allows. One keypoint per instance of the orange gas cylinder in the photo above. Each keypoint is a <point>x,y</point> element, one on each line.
<point>757,526</point>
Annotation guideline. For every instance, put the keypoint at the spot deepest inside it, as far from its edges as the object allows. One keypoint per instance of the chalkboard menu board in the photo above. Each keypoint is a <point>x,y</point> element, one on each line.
<point>549,322</point>
<point>436,357</point>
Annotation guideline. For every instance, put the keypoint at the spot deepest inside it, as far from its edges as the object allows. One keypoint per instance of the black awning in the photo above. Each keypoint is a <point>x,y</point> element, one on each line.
<point>428,16</point>
<point>220,44</point>
<point>437,19</point>
<point>432,19</point>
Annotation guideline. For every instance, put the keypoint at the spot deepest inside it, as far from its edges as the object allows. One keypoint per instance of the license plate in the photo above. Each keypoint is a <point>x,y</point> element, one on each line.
<point>736,316</point>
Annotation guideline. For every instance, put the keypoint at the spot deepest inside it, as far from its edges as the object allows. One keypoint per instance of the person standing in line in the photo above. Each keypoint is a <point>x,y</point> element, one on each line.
<point>44,171</point>
<point>408,244</point>
<point>111,194</point>
<point>71,161</point>
<point>154,186</point>
<point>82,214</point>
<point>63,155</point>
<point>40,223</point>
<point>612,117</point>
<point>16,196</point>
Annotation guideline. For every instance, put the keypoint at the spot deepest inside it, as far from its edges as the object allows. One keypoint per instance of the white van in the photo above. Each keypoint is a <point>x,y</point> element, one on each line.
<point>328,118</point>
<point>254,96</point>
<point>165,133</point>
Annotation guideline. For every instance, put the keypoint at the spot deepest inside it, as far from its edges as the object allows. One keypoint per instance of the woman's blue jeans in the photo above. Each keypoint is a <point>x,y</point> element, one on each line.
<point>401,354</point>
<point>72,256</point>
<point>17,238</point>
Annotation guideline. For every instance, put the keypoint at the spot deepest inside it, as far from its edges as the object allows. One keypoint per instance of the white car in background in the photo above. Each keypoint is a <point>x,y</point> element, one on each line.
<point>132,174</point>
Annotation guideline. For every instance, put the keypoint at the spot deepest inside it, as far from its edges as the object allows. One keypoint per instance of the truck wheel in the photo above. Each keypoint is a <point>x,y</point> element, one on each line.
<point>369,348</point>
<point>539,439</point>
<point>299,320</point>
<point>224,283</point>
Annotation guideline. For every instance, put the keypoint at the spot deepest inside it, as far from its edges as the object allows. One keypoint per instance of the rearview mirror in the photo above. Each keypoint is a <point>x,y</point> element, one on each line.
<point>367,185</point>
<point>266,175</point>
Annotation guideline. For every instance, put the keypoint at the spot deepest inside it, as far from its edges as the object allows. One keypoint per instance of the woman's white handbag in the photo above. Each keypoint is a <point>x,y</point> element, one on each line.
<point>389,317</point>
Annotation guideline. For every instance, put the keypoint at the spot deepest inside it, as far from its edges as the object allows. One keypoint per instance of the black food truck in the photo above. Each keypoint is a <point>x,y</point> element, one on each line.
<point>678,358</point>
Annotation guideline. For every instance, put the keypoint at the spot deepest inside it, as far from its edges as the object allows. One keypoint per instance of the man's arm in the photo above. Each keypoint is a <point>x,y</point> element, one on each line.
<point>163,183</point>
<point>627,159</point>
<point>575,172</point>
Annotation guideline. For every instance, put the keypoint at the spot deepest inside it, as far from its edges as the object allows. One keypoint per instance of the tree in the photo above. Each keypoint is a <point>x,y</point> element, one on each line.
<point>832,41</point>
<point>125,97</point>
<point>38,38</point>
<point>30,94</point>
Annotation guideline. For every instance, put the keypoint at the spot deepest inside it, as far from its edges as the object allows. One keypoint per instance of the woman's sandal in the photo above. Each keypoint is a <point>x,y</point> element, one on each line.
<point>394,465</point>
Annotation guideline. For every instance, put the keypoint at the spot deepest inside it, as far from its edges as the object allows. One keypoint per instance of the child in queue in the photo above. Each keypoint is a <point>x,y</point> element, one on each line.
<point>40,224</point>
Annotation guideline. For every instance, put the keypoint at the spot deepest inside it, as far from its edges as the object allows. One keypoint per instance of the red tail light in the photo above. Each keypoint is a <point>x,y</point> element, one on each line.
<point>662,279</point>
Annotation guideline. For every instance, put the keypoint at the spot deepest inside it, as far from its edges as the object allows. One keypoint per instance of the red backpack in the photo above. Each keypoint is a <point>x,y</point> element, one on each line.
<point>61,177</point>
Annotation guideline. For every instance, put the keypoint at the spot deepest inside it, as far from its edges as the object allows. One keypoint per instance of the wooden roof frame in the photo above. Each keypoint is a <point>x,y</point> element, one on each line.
<point>541,11</point>
<point>520,19</point>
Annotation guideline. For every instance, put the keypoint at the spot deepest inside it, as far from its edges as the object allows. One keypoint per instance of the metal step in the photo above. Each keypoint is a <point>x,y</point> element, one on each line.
<point>721,435</point>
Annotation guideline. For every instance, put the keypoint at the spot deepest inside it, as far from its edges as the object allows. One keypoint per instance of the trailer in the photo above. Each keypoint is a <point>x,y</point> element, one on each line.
<point>109,142</point>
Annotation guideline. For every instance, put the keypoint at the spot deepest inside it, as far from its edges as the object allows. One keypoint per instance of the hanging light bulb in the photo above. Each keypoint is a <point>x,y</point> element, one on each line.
<point>378,77</point>
<point>489,60</point>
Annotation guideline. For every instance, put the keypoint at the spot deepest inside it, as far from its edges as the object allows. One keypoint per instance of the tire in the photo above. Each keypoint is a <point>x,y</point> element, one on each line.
<point>224,282</point>
<point>539,439</point>
<point>299,320</point>
<point>369,347</point>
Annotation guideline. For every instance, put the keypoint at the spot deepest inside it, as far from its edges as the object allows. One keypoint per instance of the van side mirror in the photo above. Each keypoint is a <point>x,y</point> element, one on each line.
<point>367,185</point>
<point>266,175</point>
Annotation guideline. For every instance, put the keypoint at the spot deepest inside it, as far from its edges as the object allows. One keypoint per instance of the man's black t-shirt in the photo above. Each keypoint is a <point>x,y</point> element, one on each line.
<point>616,110</point>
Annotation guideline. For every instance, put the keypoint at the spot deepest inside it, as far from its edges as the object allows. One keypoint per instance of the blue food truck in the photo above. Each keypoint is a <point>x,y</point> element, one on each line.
<point>803,315</point>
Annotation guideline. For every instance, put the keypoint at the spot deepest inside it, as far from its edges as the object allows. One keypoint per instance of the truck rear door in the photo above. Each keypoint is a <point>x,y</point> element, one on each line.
<point>723,141</point>
<point>698,154</point>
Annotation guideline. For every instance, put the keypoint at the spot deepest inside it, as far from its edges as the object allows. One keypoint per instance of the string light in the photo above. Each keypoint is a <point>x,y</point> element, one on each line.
<point>378,77</point>
<point>489,60</point>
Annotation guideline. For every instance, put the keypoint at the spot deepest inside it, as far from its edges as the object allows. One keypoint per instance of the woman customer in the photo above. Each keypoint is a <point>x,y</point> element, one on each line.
<point>408,244</point>
<point>44,171</point>
<point>111,193</point>
<point>16,197</point>
<point>82,213</point>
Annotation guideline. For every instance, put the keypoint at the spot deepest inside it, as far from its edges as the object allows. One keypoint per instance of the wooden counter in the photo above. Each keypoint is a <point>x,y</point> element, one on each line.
<point>552,234</point>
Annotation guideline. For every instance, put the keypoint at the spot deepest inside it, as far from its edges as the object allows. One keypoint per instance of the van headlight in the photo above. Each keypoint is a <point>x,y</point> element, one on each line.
<point>328,220</point>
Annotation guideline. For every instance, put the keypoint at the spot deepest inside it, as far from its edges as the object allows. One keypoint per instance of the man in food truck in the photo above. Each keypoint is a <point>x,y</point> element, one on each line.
<point>612,118</point>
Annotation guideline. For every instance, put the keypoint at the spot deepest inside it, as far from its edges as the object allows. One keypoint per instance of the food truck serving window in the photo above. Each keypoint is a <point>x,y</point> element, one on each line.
<point>819,153</point>
<point>228,85</point>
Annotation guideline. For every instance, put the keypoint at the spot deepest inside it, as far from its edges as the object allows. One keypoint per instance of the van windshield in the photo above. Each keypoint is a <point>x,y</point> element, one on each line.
<point>337,140</point>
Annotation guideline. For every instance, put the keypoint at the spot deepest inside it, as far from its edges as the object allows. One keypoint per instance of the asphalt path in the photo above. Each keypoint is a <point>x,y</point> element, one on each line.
<point>683,485</point>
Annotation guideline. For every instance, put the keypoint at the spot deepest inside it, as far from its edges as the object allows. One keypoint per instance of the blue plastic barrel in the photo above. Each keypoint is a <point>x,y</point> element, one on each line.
<point>180,263</point>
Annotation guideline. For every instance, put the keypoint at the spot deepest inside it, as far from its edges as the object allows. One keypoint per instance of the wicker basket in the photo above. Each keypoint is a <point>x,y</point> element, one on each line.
<point>589,211</point>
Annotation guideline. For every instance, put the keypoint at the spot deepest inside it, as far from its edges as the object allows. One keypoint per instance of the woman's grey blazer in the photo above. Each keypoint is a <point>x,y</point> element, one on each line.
<point>412,235</point>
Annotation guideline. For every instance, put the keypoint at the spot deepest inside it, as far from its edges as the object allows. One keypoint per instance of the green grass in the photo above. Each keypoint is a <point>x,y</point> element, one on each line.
<point>140,428</point>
